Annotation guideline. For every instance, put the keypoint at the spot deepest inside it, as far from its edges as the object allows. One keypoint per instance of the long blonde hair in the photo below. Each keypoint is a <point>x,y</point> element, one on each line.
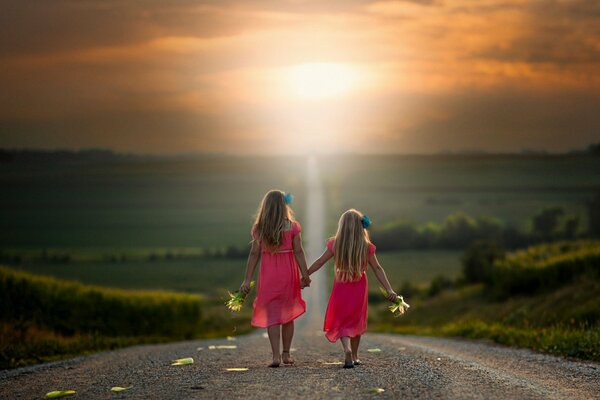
<point>273,217</point>
<point>351,249</point>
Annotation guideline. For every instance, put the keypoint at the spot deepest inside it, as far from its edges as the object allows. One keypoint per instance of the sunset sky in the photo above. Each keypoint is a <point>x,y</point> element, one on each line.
<point>296,76</point>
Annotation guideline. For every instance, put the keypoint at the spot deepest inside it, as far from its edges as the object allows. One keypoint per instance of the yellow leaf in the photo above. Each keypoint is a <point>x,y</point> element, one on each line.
<point>119,388</point>
<point>231,338</point>
<point>227,346</point>
<point>236,369</point>
<point>59,393</point>
<point>376,390</point>
<point>374,350</point>
<point>333,363</point>
<point>183,361</point>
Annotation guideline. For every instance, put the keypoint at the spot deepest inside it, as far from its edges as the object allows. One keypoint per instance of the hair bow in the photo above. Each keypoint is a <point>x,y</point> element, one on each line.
<point>288,198</point>
<point>366,221</point>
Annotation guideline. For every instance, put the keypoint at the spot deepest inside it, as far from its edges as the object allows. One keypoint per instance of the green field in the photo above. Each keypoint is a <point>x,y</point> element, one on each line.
<point>429,188</point>
<point>44,318</point>
<point>192,276</point>
<point>417,267</point>
<point>208,202</point>
<point>209,276</point>
<point>546,297</point>
<point>152,203</point>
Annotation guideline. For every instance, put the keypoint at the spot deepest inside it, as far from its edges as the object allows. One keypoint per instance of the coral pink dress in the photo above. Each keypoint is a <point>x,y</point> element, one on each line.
<point>346,313</point>
<point>278,299</point>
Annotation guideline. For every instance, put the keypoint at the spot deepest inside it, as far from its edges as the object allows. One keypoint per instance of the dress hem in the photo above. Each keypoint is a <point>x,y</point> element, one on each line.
<point>279,323</point>
<point>337,336</point>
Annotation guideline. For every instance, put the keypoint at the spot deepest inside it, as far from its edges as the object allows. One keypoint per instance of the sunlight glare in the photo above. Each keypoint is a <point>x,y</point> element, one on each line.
<point>322,80</point>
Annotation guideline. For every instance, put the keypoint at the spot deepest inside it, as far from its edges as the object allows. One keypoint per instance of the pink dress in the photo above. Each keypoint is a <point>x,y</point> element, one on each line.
<point>346,313</point>
<point>278,299</point>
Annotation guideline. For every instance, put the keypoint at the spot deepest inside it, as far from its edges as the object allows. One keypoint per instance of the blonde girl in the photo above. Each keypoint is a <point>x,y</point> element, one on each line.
<point>277,243</point>
<point>353,252</point>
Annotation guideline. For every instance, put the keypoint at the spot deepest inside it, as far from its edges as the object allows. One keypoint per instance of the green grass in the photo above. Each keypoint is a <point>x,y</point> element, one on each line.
<point>564,318</point>
<point>206,276</point>
<point>565,322</point>
<point>42,318</point>
<point>545,267</point>
<point>417,267</point>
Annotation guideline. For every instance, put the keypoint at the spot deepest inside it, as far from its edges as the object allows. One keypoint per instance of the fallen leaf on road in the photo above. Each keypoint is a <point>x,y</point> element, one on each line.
<point>374,350</point>
<point>231,338</point>
<point>119,388</point>
<point>212,347</point>
<point>236,369</point>
<point>200,348</point>
<point>183,361</point>
<point>376,390</point>
<point>223,346</point>
<point>333,363</point>
<point>401,348</point>
<point>59,393</point>
<point>265,335</point>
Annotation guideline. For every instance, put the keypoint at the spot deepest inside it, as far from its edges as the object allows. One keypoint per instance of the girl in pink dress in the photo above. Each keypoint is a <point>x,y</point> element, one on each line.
<point>277,242</point>
<point>346,315</point>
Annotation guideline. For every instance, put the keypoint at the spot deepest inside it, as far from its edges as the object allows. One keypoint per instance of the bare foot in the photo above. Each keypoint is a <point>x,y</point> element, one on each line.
<point>287,358</point>
<point>276,362</point>
<point>348,363</point>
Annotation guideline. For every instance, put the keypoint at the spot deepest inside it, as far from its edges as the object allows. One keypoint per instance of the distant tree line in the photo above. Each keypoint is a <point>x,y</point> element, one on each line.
<point>459,230</point>
<point>61,257</point>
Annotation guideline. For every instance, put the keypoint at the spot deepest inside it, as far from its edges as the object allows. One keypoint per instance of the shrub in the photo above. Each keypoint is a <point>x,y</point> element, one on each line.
<point>478,261</point>
<point>545,222</point>
<point>439,284</point>
<point>70,307</point>
<point>545,267</point>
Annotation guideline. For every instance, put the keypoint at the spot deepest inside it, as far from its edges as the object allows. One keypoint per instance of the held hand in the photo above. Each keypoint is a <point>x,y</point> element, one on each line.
<point>305,282</point>
<point>392,296</point>
<point>245,287</point>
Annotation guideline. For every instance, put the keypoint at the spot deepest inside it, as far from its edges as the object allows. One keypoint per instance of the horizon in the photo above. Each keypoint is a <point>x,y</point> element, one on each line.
<point>525,152</point>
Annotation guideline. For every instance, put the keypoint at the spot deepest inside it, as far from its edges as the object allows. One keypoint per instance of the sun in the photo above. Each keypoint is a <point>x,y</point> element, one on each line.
<point>322,80</point>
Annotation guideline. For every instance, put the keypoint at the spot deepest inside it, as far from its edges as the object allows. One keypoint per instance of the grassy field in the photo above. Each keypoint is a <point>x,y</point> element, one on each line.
<point>429,188</point>
<point>562,318</point>
<point>417,267</point>
<point>207,202</point>
<point>157,203</point>
<point>210,276</point>
<point>44,318</point>
<point>194,276</point>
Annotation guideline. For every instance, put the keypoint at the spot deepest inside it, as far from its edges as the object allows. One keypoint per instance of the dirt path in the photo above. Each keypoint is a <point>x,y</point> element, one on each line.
<point>406,366</point>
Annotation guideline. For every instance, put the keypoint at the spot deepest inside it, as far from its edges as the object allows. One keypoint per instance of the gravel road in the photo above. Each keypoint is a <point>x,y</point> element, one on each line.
<point>405,367</point>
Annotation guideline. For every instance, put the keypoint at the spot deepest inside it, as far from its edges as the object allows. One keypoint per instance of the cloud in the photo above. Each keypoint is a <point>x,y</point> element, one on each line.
<point>211,74</point>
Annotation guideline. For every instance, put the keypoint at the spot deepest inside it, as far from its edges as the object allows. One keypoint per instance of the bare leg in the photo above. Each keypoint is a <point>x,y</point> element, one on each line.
<point>274,332</point>
<point>347,352</point>
<point>287,334</point>
<point>354,343</point>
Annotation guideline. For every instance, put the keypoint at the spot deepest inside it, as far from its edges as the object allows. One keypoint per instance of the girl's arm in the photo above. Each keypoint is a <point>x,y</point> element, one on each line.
<point>301,258</point>
<point>382,277</point>
<point>251,266</point>
<point>320,261</point>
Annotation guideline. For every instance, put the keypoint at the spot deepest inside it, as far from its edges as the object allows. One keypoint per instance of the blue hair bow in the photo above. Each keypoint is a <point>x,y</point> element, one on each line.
<point>288,198</point>
<point>366,221</point>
